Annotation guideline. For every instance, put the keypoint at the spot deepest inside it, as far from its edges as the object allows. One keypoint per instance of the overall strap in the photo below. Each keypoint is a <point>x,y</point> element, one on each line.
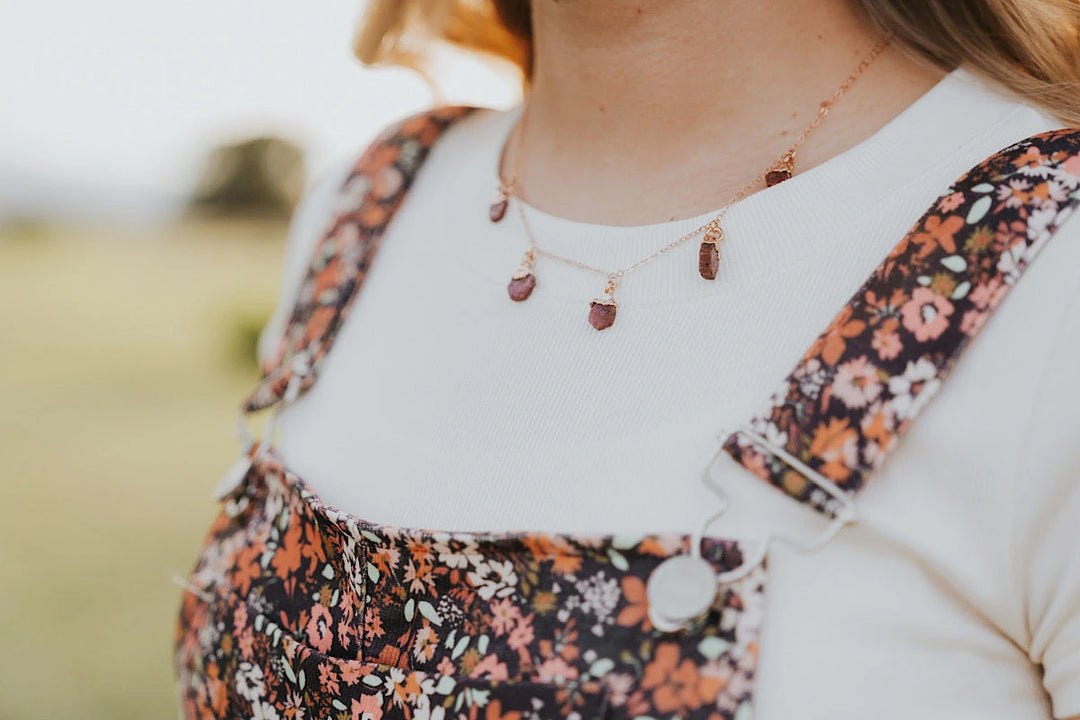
<point>371,194</point>
<point>857,389</point>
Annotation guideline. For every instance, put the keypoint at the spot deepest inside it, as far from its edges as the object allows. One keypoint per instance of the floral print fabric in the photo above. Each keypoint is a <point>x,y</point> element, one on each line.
<point>372,192</point>
<point>879,362</point>
<point>297,610</point>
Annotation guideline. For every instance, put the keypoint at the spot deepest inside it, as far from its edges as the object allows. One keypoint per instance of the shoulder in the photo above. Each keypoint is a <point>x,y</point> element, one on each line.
<point>1045,500</point>
<point>402,145</point>
<point>977,121</point>
<point>406,142</point>
<point>1038,340</point>
<point>454,133</point>
<point>309,222</point>
<point>399,148</point>
<point>386,165</point>
<point>1020,167</point>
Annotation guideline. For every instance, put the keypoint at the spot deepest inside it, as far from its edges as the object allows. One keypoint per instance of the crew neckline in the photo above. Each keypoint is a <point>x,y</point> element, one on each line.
<point>884,135</point>
<point>952,124</point>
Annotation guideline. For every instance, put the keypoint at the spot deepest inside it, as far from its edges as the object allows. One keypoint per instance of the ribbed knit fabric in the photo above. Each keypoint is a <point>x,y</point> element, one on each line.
<point>446,405</point>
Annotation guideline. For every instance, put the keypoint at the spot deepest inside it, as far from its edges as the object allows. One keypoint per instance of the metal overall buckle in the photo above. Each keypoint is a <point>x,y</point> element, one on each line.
<point>301,368</point>
<point>684,587</point>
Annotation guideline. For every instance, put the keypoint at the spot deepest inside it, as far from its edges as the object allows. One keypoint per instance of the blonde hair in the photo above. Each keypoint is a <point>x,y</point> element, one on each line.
<point>1031,48</point>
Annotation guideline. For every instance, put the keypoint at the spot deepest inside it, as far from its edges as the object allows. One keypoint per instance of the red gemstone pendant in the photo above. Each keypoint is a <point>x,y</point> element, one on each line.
<point>522,283</point>
<point>602,309</point>
<point>499,204</point>
<point>783,171</point>
<point>708,260</point>
<point>775,177</point>
<point>523,280</point>
<point>709,253</point>
<point>601,313</point>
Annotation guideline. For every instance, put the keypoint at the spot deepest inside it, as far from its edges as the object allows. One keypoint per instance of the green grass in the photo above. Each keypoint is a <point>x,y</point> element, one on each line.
<point>123,355</point>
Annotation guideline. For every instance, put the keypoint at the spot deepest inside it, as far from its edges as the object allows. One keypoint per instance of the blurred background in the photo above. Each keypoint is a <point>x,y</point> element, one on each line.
<point>150,156</point>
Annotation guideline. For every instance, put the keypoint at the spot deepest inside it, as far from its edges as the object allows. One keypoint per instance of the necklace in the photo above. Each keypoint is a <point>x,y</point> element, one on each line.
<point>602,309</point>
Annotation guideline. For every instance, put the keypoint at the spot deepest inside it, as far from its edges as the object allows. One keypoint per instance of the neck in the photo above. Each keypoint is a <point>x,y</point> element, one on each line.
<point>665,108</point>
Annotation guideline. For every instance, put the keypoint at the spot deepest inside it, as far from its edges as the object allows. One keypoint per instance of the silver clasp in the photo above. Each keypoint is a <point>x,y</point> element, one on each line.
<point>845,515</point>
<point>301,368</point>
<point>684,587</point>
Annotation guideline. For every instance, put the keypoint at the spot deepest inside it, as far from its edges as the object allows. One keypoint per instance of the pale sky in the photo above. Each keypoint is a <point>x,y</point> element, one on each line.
<point>119,99</point>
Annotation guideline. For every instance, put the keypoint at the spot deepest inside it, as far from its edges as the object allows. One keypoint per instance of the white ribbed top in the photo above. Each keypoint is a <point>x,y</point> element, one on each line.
<point>446,405</point>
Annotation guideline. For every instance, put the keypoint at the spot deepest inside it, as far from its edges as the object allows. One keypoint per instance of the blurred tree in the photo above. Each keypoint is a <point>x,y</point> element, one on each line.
<point>258,177</point>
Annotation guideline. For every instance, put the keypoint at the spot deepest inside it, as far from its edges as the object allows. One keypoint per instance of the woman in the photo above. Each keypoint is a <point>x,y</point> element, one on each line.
<point>649,128</point>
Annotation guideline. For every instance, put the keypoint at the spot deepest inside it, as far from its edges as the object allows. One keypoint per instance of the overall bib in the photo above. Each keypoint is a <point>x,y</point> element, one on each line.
<point>297,610</point>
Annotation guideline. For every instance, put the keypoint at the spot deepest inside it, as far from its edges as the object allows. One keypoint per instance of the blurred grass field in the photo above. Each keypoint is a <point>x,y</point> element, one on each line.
<point>123,355</point>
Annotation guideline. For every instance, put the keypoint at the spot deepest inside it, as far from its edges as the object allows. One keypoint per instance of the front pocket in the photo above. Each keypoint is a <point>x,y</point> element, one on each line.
<point>233,661</point>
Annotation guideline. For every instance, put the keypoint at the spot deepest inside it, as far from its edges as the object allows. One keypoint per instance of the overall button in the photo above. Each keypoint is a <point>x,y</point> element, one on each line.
<point>679,590</point>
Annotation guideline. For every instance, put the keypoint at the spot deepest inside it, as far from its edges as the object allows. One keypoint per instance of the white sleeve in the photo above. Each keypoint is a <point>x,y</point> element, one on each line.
<point>310,220</point>
<point>1047,534</point>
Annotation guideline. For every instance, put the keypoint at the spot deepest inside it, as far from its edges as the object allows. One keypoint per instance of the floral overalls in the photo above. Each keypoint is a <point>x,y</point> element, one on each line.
<point>296,610</point>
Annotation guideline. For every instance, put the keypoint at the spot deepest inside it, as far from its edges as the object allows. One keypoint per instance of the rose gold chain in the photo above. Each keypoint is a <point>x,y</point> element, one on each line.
<point>512,188</point>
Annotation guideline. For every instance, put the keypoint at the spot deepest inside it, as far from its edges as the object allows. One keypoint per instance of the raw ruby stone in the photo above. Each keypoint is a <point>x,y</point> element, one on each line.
<point>775,177</point>
<point>601,314</point>
<point>497,211</point>
<point>708,260</point>
<point>520,288</point>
